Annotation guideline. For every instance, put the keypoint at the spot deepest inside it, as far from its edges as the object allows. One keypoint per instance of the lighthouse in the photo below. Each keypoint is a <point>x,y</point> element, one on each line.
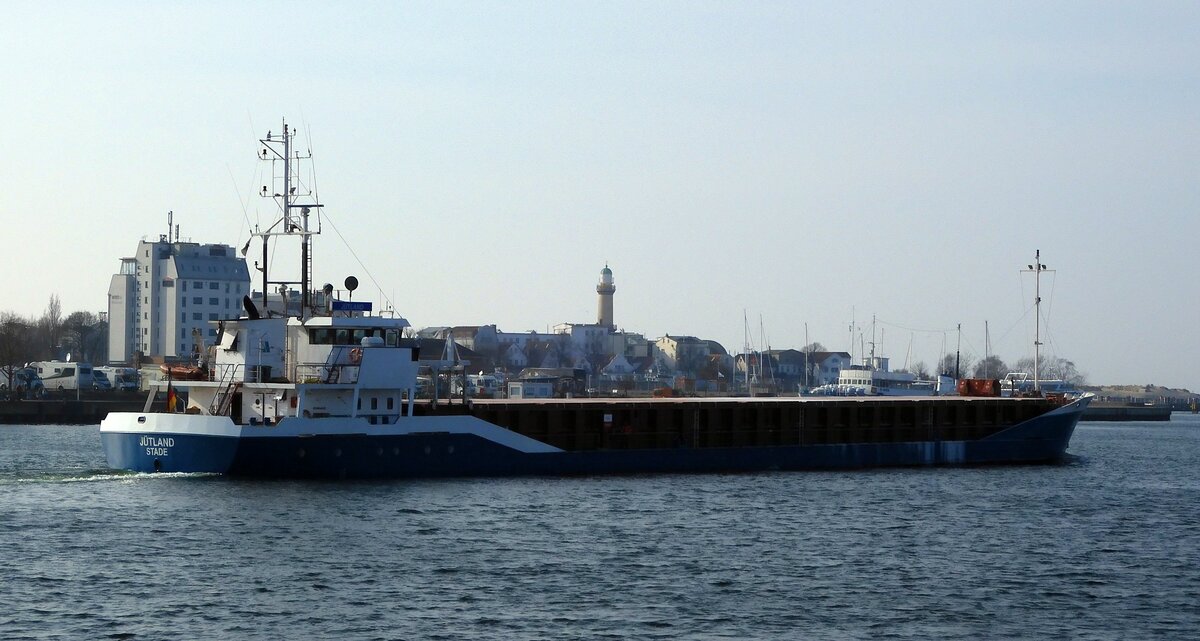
<point>605,289</point>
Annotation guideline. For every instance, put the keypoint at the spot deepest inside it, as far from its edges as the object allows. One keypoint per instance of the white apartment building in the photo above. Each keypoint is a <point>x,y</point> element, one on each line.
<point>167,291</point>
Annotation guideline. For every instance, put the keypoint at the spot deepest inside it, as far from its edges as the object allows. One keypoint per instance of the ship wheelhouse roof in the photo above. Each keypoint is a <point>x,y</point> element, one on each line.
<point>332,330</point>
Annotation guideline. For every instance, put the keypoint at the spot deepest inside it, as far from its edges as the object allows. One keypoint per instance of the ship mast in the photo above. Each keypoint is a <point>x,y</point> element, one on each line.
<point>294,216</point>
<point>1037,268</point>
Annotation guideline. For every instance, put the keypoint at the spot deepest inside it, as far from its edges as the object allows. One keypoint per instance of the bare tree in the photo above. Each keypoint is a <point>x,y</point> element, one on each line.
<point>991,367</point>
<point>813,347</point>
<point>50,326</point>
<point>15,348</point>
<point>1054,368</point>
<point>78,334</point>
<point>954,365</point>
<point>920,370</point>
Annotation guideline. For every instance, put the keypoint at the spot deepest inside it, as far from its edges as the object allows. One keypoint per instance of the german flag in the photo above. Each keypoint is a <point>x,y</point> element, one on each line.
<point>171,398</point>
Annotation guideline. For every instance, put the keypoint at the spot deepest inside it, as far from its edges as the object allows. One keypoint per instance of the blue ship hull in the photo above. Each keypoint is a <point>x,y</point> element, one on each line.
<point>440,454</point>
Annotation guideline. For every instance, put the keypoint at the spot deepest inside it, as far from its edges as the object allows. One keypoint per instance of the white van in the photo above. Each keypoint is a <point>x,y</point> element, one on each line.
<point>64,375</point>
<point>122,378</point>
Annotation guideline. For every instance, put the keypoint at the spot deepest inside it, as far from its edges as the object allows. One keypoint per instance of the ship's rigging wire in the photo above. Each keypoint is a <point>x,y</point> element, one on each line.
<point>1049,336</point>
<point>257,174</point>
<point>243,203</point>
<point>323,217</point>
<point>353,253</point>
<point>911,329</point>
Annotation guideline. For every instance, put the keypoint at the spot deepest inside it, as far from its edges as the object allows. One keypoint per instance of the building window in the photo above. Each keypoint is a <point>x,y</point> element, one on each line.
<point>389,403</point>
<point>197,316</point>
<point>212,317</point>
<point>214,302</point>
<point>374,403</point>
<point>214,285</point>
<point>197,284</point>
<point>197,300</point>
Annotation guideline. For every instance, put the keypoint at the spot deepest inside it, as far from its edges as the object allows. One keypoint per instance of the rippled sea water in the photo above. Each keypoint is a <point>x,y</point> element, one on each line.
<point>1106,546</point>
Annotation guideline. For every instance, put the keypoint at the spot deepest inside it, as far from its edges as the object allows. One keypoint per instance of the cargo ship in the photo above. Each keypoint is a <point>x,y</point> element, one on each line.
<point>330,391</point>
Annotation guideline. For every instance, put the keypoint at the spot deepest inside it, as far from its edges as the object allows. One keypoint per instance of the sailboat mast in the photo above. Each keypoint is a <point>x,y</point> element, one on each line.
<point>958,353</point>
<point>746,349</point>
<point>807,351</point>
<point>987,351</point>
<point>871,364</point>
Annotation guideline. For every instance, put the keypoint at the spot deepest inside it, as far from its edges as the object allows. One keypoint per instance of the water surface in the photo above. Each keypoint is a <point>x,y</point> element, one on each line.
<point>1106,546</point>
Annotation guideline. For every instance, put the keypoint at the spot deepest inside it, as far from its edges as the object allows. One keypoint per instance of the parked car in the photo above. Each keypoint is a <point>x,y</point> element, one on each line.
<point>100,381</point>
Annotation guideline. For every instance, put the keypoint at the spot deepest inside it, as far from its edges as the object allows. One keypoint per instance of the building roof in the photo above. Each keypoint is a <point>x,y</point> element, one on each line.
<point>211,268</point>
<point>432,349</point>
<point>551,372</point>
<point>821,357</point>
<point>682,339</point>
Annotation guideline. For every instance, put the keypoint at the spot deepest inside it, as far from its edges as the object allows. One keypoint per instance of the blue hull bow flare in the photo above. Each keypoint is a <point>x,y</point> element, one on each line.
<point>504,438</point>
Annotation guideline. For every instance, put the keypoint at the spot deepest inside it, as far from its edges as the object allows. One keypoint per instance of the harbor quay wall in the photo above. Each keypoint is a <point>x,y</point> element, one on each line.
<point>66,411</point>
<point>1124,412</point>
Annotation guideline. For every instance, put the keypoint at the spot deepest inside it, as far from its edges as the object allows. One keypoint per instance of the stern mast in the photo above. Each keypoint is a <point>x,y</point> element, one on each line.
<point>1037,268</point>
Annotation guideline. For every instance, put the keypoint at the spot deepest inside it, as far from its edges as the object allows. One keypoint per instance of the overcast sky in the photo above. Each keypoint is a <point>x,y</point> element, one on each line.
<point>794,163</point>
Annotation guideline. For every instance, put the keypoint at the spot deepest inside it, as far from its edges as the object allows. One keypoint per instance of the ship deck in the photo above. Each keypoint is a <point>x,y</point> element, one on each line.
<point>612,400</point>
<point>637,423</point>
